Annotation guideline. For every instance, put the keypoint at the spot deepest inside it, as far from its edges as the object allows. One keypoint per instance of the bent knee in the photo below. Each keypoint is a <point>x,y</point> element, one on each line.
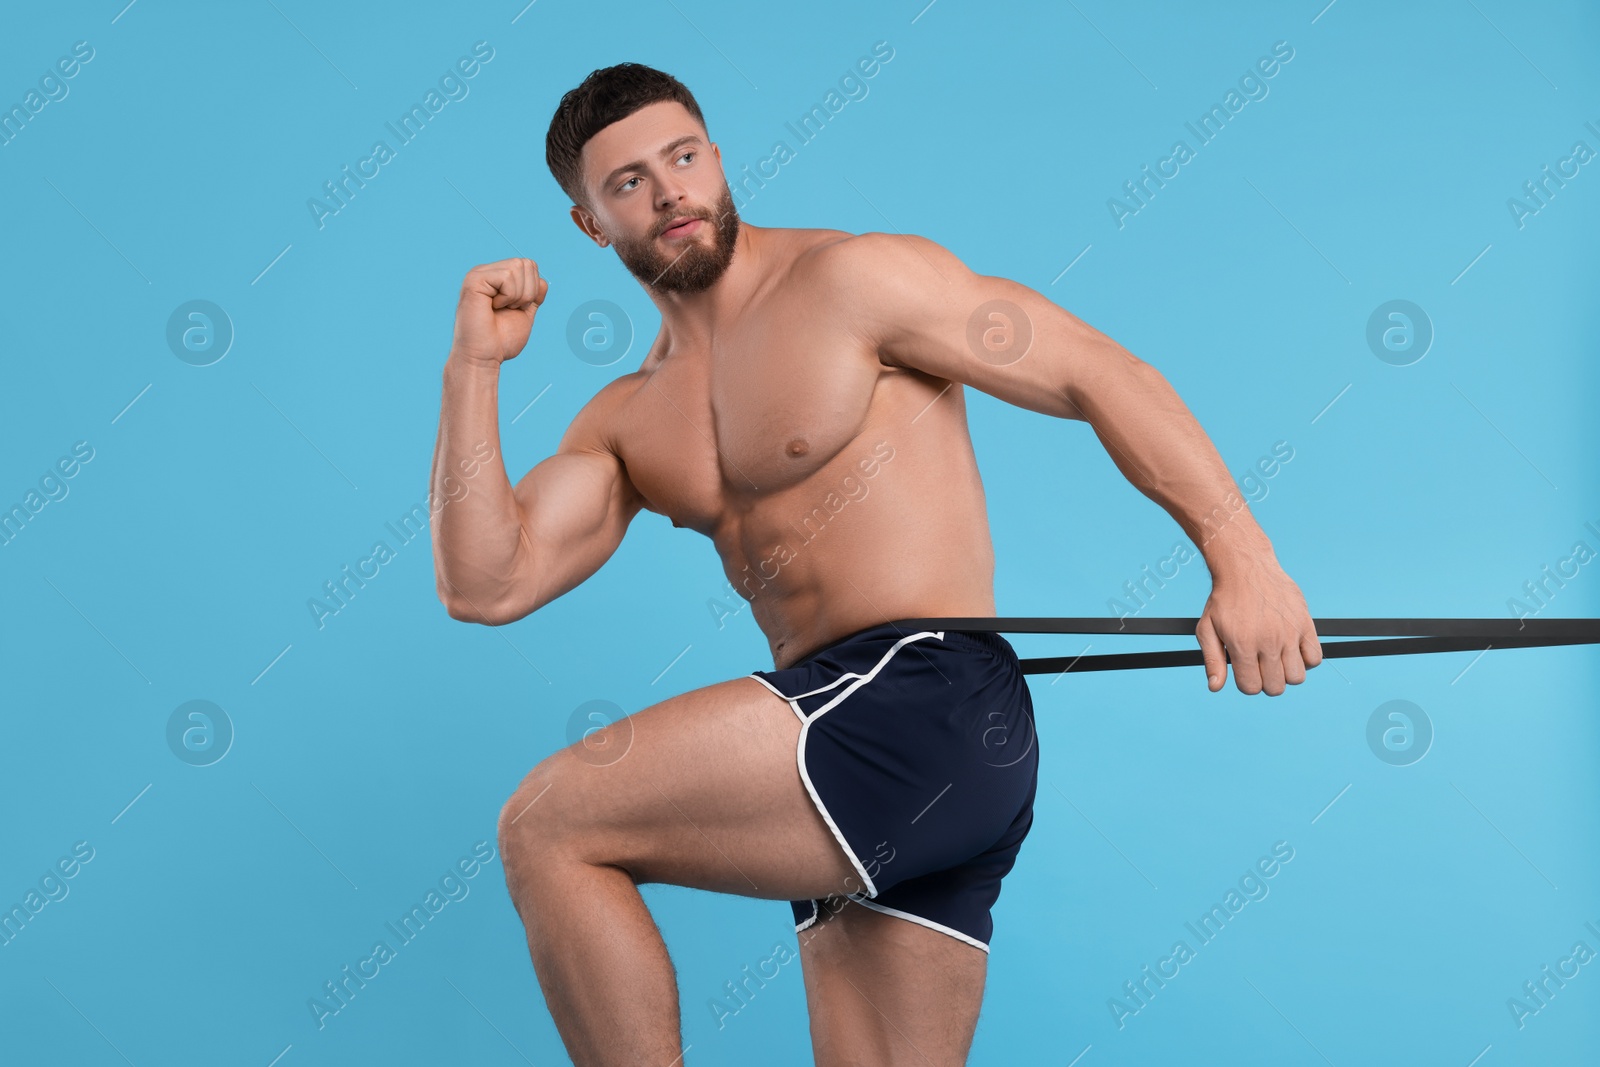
<point>554,811</point>
<point>530,820</point>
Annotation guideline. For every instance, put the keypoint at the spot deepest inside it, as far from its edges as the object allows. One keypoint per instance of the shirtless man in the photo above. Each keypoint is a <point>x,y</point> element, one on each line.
<point>802,406</point>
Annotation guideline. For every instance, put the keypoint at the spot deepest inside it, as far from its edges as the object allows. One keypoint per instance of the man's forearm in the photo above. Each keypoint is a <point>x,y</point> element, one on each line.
<point>477,528</point>
<point>1159,446</point>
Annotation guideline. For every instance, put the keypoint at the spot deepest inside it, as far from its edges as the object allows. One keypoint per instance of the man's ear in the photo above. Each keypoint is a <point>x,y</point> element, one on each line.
<point>585,221</point>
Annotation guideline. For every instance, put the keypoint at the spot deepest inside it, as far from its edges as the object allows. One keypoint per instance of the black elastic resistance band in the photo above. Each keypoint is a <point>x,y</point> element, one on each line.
<point>1399,637</point>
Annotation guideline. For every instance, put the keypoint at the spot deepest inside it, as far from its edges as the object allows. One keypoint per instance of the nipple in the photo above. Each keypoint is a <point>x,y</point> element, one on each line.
<point>798,447</point>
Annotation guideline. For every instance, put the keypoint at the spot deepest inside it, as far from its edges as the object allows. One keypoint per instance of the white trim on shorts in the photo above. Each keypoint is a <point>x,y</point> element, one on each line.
<point>885,909</point>
<point>794,705</point>
<point>805,729</point>
<point>920,921</point>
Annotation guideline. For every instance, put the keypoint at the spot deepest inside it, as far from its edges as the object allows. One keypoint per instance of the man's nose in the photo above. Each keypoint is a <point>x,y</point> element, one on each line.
<point>670,192</point>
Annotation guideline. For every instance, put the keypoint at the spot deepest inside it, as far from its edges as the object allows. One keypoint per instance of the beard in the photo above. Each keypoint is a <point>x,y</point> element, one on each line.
<point>697,266</point>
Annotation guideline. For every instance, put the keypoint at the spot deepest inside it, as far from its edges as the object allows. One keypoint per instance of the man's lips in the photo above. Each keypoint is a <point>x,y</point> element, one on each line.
<point>683,229</point>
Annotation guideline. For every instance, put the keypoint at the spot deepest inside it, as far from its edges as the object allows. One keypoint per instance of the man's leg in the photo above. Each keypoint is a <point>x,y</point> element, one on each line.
<point>706,793</point>
<point>886,991</point>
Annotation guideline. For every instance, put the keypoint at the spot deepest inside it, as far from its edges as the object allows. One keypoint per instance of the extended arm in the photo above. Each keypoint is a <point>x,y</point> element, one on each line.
<point>925,309</point>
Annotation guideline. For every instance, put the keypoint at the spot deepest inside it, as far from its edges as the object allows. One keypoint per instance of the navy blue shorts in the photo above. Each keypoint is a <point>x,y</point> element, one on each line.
<point>918,749</point>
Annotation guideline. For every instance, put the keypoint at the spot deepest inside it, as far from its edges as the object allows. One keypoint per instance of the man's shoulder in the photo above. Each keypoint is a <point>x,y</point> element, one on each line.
<point>596,426</point>
<point>839,250</point>
<point>859,264</point>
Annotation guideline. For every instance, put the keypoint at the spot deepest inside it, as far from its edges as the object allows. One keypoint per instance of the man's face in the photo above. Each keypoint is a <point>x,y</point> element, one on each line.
<point>647,172</point>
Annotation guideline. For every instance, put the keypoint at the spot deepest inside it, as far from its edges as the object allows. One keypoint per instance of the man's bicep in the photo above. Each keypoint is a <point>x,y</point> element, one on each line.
<point>574,509</point>
<point>926,309</point>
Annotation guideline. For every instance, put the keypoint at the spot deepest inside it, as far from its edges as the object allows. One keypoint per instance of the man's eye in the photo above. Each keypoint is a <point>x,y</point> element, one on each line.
<point>687,155</point>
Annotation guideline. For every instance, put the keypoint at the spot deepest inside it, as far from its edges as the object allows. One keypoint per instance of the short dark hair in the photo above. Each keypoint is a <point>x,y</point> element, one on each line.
<point>607,95</point>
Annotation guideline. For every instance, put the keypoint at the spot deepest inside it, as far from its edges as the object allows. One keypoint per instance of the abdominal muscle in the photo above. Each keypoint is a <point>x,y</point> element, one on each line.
<point>894,526</point>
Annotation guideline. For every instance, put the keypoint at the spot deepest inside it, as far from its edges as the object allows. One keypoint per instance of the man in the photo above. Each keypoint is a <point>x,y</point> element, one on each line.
<point>801,406</point>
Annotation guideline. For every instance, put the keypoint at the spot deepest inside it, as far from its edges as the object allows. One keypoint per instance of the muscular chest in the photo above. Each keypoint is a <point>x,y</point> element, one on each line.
<point>718,430</point>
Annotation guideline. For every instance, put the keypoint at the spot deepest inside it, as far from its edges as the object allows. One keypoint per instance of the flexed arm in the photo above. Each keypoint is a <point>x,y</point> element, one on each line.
<point>502,552</point>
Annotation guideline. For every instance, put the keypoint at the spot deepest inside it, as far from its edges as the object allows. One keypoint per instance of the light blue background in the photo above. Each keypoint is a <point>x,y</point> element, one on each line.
<point>375,751</point>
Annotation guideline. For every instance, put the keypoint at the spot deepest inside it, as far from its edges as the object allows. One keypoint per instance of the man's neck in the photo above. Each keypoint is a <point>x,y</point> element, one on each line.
<point>688,318</point>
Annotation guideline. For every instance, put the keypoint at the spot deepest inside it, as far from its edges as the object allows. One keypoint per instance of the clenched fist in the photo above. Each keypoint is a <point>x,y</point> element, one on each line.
<point>495,313</point>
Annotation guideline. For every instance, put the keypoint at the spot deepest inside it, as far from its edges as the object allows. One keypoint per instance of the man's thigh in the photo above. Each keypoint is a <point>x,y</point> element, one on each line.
<point>886,991</point>
<point>701,790</point>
